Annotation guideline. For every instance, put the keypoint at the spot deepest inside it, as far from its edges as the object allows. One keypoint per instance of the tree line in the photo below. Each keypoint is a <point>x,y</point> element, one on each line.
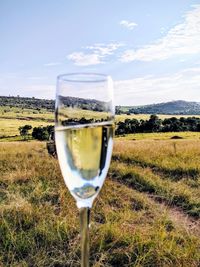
<point>152,125</point>
<point>178,107</point>
<point>155,124</point>
<point>38,104</point>
<point>27,103</point>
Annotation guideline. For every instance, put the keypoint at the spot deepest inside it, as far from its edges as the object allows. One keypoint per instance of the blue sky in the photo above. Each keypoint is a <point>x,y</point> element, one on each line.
<point>150,48</point>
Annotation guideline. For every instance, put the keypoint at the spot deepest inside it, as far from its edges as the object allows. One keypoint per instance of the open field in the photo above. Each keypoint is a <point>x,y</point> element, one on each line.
<point>12,118</point>
<point>167,169</point>
<point>43,114</point>
<point>9,127</point>
<point>145,216</point>
<point>160,136</point>
<point>29,114</point>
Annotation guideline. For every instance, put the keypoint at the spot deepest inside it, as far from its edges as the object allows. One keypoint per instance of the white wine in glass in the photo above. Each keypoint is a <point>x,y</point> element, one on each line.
<point>84,139</point>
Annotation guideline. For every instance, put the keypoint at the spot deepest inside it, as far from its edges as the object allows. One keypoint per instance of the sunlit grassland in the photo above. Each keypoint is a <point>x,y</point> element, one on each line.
<point>175,156</point>
<point>10,127</point>
<point>167,168</point>
<point>39,220</point>
<point>19,113</point>
<point>44,114</point>
<point>159,136</point>
<point>12,118</point>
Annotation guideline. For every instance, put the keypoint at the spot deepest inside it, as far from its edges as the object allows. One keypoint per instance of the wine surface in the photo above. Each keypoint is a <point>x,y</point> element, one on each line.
<point>84,153</point>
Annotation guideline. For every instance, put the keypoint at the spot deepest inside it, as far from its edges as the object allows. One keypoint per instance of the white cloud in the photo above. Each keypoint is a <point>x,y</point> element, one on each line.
<point>129,25</point>
<point>97,54</point>
<point>51,64</point>
<point>104,49</point>
<point>183,39</point>
<point>82,59</point>
<point>182,85</point>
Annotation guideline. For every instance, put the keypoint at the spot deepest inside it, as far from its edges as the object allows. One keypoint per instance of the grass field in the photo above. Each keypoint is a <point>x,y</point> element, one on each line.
<point>19,113</point>
<point>169,169</point>
<point>12,118</point>
<point>160,136</point>
<point>147,214</point>
<point>10,127</point>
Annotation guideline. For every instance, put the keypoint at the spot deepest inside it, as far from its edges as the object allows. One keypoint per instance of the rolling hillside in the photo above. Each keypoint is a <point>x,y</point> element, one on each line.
<point>174,107</point>
<point>178,107</point>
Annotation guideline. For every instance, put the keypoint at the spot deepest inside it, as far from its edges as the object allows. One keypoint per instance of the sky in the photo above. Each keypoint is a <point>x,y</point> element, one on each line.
<point>151,49</point>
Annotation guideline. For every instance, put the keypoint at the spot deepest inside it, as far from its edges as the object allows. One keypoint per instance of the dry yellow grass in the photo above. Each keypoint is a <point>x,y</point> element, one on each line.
<point>16,113</point>
<point>9,127</point>
<point>39,220</point>
<point>166,154</point>
<point>159,136</point>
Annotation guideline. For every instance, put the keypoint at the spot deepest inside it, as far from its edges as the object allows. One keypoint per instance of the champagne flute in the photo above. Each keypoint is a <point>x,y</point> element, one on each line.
<point>84,139</point>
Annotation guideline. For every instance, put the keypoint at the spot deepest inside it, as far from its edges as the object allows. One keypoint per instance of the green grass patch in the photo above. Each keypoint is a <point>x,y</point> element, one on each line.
<point>178,159</point>
<point>144,180</point>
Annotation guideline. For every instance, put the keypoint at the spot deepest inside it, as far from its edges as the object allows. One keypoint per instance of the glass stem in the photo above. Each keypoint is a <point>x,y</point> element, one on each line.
<point>84,223</point>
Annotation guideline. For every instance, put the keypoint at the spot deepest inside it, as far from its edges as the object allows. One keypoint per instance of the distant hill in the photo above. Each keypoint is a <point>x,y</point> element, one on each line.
<point>172,108</point>
<point>27,102</point>
<point>178,107</point>
<point>37,104</point>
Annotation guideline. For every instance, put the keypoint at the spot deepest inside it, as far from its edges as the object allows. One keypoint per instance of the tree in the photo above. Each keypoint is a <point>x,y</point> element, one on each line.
<point>41,133</point>
<point>120,128</point>
<point>118,110</point>
<point>24,131</point>
<point>134,126</point>
<point>153,124</point>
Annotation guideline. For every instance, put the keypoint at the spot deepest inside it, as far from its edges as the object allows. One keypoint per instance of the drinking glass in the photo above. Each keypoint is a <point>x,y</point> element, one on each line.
<point>84,127</point>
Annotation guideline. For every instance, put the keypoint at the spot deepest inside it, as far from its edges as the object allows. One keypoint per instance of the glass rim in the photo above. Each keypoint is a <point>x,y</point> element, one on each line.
<point>84,77</point>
